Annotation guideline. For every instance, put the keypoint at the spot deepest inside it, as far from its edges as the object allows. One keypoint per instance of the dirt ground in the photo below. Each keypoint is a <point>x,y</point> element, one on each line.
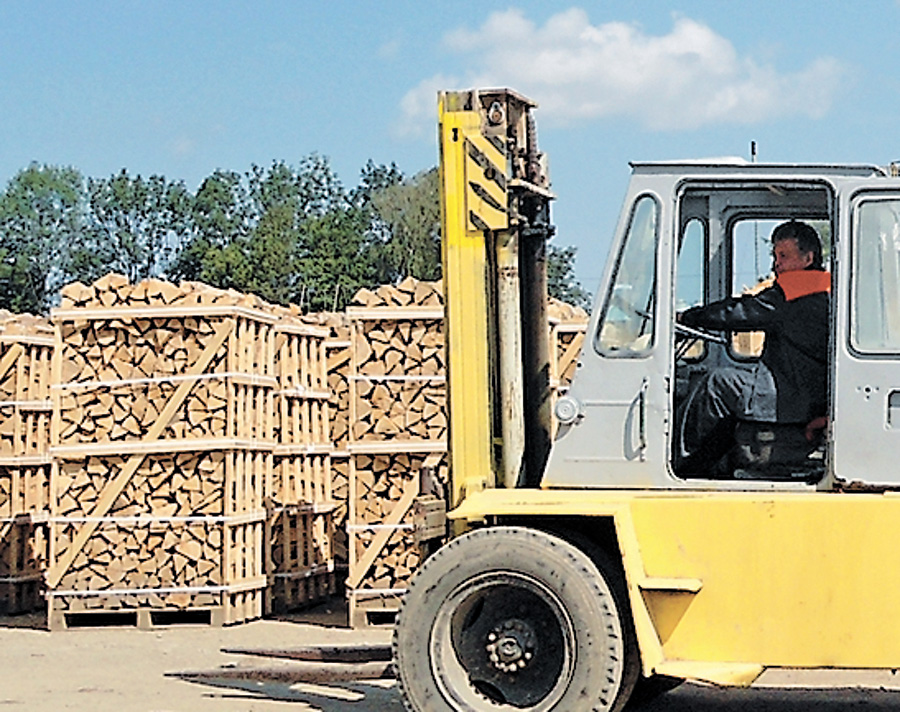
<point>126,669</point>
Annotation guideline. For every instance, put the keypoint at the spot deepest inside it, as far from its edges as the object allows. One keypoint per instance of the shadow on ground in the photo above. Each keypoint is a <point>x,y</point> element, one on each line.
<point>363,696</point>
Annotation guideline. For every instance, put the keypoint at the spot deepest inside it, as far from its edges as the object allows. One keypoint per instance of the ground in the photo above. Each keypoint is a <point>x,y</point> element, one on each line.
<point>125,670</point>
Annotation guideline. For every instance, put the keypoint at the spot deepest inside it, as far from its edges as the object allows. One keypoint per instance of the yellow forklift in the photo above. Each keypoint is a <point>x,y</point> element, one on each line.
<point>582,572</point>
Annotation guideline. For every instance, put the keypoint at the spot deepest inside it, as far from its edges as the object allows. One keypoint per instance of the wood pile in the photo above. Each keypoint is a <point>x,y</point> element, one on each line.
<point>301,529</point>
<point>398,416</point>
<point>26,347</point>
<point>568,325</point>
<point>338,353</point>
<point>164,435</point>
<point>213,453</point>
<point>398,420</point>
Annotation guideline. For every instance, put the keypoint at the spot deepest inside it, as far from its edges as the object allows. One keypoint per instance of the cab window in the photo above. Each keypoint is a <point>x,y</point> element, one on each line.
<point>751,272</point>
<point>627,323</point>
<point>876,284</point>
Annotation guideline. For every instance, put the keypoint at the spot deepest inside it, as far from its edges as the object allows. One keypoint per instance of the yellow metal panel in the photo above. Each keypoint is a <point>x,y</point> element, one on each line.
<point>466,311</point>
<point>723,584</point>
<point>789,580</point>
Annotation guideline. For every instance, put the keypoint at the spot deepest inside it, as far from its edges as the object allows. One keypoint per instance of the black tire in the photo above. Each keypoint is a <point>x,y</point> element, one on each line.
<point>510,618</point>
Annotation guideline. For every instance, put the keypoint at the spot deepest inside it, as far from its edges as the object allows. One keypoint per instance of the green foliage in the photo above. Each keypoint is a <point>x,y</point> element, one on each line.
<point>561,282</point>
<point>218,217</point>
<point>411,218</point>
<point>288,234</point>
<point>42,214</point>
<point>132,227</point>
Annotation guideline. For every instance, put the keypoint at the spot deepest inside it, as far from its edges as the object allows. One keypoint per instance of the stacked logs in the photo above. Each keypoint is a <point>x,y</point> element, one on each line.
<point>26,347</point>
<point>398,422</point>
<point>301,527</point>
<point>338,353</point>
<point>164,438</point>
<point>568,325</point>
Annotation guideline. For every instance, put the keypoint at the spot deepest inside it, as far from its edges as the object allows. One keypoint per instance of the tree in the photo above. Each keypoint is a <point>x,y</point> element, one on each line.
<point>42,214</point>
<point>561,281</point>
<point>338,258</point>
<point>219,215</point>
<point>133,227</point>
<point>410,213</point>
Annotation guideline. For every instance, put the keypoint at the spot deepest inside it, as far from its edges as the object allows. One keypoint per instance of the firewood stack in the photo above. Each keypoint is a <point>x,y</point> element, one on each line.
<point>26,347</point>
<point>567,328</point>
<point>337,349</point>
<point>398,424</point>
<point>301,528</point>
<point>163,431</point>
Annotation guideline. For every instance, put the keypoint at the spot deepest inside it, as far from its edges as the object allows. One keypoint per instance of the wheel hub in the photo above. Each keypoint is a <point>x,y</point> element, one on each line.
<point>511,645</point>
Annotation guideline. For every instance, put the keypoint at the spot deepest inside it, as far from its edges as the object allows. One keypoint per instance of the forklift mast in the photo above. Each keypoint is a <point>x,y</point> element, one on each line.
<point>495,223</point>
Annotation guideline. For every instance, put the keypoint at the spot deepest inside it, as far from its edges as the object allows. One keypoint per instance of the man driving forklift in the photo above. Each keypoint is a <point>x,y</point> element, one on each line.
<point>788,384</point>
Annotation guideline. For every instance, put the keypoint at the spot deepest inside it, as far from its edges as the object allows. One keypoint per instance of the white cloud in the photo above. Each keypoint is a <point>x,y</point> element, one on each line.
<point>686,79</point>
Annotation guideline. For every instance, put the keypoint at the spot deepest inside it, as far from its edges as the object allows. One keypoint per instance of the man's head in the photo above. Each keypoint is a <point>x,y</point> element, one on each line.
<point>795,246</point>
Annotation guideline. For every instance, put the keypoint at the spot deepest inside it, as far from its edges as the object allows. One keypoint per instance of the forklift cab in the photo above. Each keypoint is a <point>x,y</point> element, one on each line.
<point>694,233</point>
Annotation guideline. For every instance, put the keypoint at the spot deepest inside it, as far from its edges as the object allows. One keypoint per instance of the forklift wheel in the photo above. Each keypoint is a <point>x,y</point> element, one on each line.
<point>510,618</point>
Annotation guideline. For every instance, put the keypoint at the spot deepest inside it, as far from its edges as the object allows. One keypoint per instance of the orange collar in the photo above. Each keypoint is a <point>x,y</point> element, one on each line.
<point>803,282</point>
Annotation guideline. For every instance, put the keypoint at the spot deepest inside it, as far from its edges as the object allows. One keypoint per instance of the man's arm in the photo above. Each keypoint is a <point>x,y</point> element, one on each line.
<point>746,313</point>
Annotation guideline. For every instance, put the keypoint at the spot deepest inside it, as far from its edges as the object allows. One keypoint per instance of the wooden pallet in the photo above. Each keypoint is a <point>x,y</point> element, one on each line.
<point>373,608</point>
<point>147,618</point>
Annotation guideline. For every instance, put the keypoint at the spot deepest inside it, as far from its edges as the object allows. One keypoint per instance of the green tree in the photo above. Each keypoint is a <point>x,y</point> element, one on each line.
<point>561,281</point>
<point>337,259</point>
<point>410,214</point>
<point>218,223</point>
<point>133,227</point>
<point>42,214</point>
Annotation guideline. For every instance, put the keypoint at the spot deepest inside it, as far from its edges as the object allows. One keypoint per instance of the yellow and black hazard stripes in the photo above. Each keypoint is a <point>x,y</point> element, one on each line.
<point>486,191</point>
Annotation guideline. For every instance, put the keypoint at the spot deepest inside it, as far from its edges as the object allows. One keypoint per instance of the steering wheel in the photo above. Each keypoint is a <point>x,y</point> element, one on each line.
<point>687,336</point>
<point>694,334</point>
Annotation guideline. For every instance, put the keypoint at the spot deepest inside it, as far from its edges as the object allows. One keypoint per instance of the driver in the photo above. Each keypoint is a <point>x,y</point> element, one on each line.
<point>788,384</point>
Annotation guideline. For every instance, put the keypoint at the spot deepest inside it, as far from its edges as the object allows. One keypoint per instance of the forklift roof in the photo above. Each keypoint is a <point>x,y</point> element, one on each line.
<point>736,166</point>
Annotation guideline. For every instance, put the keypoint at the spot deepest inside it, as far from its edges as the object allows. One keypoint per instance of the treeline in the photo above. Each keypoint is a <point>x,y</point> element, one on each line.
<point>291,234</point>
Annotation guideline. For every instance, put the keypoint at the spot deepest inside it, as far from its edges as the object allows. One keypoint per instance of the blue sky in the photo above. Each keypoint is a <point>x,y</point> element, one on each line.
<point>181,88</point>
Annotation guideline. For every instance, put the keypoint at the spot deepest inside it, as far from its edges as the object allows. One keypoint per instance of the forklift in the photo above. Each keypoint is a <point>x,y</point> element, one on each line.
<point>580,571</point>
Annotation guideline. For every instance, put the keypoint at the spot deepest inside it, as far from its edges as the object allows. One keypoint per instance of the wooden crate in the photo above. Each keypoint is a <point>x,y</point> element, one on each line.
<point>26,350</point>
<point>397,375</point>
<point>383,553</point>
<point>24,497</point>
<point>25,407</point>
<point>300,535</point>
<point>164,433</point>
<point>398,424</point>
<point>124,374</point>
<point>301,557</point>
<point>186,532</point>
